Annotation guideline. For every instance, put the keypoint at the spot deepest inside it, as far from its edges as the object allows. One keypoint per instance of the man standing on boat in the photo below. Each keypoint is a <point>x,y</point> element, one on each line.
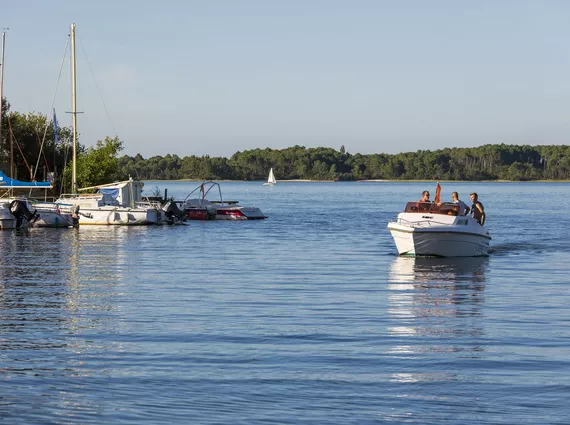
<point>463,208</point>
<point>477,209</point>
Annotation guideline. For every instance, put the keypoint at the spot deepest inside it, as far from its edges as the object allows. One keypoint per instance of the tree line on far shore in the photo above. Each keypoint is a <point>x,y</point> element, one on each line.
<point>488,162</point>
<point>28,141</point>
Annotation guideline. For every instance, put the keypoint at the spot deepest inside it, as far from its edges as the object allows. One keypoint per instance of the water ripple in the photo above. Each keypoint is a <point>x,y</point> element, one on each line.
<point>308,317</point>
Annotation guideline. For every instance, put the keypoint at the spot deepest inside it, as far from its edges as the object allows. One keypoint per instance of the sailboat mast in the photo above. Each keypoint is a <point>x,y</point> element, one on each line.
<point>2,80</point>
<point>74,111</point>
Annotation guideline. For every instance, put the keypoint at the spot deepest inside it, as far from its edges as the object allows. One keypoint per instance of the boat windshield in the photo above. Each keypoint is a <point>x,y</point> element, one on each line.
<point>446,208</point>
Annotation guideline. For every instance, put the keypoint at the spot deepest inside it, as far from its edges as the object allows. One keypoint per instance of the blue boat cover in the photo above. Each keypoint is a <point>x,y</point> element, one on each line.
<point>113,192</point>
<point>9,183</point>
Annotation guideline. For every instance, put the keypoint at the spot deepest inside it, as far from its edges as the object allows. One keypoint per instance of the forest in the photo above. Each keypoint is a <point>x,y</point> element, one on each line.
<point>32,146</point>
<point>487,162</point>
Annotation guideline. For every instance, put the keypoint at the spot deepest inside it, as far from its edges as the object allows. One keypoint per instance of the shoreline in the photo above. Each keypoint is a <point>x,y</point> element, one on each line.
<point>362,181</point>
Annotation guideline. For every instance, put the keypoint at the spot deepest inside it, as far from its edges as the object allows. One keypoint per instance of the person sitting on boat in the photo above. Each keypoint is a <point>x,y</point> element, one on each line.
<point>463,208</point>
<point>425,196</point>
<point>477,209</point>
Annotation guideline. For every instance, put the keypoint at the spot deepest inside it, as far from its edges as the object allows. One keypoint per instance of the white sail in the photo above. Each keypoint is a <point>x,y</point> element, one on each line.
<point>271,179</point>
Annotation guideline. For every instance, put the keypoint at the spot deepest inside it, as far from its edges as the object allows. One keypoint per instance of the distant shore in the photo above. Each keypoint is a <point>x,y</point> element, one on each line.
<point>366,181</point>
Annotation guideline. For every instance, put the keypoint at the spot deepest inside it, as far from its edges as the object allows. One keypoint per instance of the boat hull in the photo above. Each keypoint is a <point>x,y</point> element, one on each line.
<point>118,217</point>
<point>230,213</point>
<point>53,219</point>
<point>17,218</point>
<point>7,220</point>
<point>440,242</point>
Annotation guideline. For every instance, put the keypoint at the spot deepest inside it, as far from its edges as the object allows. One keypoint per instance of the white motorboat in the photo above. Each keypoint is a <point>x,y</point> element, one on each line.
<point>102,209</point>
<point>430,229</point>
<point>7,219</point>
<point>15,214</point>
<point>270,179</point>
<point>20,211</point>
<point>201,208</point>
<point>52,214</point>
<point>118,203</point>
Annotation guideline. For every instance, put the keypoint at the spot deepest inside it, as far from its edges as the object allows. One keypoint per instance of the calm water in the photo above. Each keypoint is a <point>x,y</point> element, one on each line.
<point>308,317</point>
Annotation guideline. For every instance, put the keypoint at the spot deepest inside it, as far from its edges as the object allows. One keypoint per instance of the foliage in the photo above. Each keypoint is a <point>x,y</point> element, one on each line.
<point>97,165</point>
<point>488,162</point>
<point>30,137</point>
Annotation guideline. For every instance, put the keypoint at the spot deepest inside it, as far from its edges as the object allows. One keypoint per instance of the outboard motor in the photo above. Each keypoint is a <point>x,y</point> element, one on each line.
<point>19,210</point>
<point>75,215</point>
<point>173,213</point>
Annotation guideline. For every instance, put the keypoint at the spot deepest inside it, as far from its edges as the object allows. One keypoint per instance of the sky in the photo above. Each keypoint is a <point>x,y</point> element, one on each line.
<point>216,77</point>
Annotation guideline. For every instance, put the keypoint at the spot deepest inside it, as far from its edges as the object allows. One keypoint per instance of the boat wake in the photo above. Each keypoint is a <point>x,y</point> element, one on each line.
<point>525,247</point>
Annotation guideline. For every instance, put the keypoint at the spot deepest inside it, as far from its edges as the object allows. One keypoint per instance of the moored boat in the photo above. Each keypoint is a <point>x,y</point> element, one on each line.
<point>15,214</point>
<point>21,211</point>
<point>103,208</point>
<point>117,203</point>
<point>17,211</point>
<point>200,208</point>
<point>51,214</point>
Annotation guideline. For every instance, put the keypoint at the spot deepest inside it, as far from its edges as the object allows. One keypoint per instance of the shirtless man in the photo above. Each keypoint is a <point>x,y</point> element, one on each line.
<point>477,209</point>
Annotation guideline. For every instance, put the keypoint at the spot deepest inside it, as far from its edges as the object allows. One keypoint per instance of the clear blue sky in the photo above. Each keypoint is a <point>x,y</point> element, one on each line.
<point>216,77</point>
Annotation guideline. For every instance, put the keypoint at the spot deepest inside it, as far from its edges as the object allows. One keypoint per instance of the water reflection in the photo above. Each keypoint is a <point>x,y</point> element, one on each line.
<point>54,284</point>
<point>432,269</point>
<point>439,301</point>
<point>59,291</point>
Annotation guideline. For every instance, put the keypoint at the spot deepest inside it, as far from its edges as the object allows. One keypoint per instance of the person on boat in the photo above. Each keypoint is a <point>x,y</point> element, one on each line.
<point>425,196</point>
<point>463,208</point>
<point>477,209</point>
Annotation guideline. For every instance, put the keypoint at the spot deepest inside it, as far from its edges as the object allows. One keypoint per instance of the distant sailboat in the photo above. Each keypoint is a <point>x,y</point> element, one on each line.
<point>271,179</point>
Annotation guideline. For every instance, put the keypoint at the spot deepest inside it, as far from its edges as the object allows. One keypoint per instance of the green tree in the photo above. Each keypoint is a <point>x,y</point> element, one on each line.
<point>97,165</point>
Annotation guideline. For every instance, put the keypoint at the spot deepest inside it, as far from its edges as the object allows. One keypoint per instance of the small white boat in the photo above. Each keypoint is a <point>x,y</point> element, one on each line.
<point>118,203</point>
<point>7,219</point>
<point>52,214</point>
<point>22,212</point>
<point>429,229</point>
<point>203,209</point>
<point>15,214</point>
<point>270,179</point>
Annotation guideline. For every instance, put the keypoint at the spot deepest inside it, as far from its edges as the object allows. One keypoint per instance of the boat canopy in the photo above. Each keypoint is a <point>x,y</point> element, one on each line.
<point>127,192</point>
<point>10,183</point>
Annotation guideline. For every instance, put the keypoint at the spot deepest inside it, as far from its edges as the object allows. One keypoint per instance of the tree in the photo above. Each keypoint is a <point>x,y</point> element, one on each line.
<point>35,152</point>
<point>98,165</point>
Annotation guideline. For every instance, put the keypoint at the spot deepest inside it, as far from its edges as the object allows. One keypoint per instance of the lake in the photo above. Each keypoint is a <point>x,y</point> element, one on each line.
<point>308,317</point>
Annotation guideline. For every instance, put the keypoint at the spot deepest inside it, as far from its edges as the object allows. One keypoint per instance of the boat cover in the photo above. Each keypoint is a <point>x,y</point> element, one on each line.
<point>113,192</point>
<point>8,183</point>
